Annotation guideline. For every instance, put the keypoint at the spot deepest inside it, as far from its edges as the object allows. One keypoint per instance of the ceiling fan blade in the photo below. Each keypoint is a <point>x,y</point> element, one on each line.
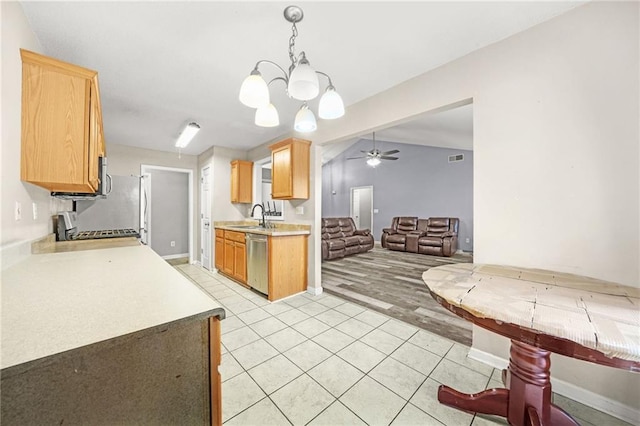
<point>394,151</point>
<point>384,157</point>
<point>355,158</point>
<point>367,152</point>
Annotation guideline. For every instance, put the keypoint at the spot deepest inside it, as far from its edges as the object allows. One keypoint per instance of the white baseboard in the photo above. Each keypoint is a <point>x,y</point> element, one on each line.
<point>175,256</point>
<point>316,291</point>
<point>591,399</point>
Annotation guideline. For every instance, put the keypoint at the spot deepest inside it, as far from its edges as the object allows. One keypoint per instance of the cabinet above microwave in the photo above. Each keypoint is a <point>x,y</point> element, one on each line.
<point>62,134</point>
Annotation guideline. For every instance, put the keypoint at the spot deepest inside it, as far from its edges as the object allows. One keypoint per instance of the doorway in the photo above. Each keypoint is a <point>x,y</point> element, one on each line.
<point>205,217</point>
<point>362,207</point>
<point>168,211</point>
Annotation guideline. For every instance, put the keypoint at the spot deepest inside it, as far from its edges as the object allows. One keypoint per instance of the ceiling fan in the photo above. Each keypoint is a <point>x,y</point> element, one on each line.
<point>374,156</point>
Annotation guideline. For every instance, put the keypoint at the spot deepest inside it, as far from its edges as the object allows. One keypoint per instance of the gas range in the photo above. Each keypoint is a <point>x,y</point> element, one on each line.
<point>67,230</point>
<point>109,233</point>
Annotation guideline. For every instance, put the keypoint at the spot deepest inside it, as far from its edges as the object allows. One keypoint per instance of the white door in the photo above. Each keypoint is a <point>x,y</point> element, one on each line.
<point>362,207</point>
<point>205,217</point>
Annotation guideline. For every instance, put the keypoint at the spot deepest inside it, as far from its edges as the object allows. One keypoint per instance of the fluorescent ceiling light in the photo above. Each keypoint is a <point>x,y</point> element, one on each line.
<point>187,134</point>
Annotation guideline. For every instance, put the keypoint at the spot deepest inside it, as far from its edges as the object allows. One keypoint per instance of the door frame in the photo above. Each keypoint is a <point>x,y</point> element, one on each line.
<point>147,169</point>
<point>351,191</point>
<point>202,203</point>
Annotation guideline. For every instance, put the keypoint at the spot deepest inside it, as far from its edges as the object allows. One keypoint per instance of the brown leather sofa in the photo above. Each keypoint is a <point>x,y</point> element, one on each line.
<point>437,235</point>
<point>340,238</point>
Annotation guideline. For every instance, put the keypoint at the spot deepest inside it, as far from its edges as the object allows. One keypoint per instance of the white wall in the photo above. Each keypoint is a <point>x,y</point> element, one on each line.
<point>15,235</point>
<point>556,154</point>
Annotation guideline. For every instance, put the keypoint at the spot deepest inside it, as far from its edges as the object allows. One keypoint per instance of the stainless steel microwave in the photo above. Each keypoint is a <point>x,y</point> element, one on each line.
<point>104,187</point>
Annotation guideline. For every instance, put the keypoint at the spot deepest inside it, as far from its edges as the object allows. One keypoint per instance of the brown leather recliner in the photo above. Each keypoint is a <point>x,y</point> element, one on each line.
<point>340,238</point>
<point>436,236</point>
<point>395,237</point>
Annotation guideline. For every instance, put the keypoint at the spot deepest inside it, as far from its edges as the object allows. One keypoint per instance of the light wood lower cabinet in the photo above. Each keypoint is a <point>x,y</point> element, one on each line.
<point>287,261</point>
<point>287,265</point>
<point>234,262</point>
<point>219,249</point>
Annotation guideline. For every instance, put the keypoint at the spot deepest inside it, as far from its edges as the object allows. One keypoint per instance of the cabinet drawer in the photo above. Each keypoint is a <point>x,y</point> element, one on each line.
<point>234,236</point>
<point>220,233</point>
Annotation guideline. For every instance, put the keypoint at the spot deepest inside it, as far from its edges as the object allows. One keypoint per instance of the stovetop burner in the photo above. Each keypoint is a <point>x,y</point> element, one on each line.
<point>110,233</point>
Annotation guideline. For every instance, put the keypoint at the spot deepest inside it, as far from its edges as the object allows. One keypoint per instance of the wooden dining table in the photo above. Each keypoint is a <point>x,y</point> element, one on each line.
<point>541,312</point>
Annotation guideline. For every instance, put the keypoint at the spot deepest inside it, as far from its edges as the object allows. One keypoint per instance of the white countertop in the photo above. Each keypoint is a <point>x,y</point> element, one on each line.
<point>56,302</point>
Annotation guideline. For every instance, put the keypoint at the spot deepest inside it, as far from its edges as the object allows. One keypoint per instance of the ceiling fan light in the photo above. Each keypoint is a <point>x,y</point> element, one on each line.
<point>267,116</point>
<point>303,82</point>
<point>305,120</point>
<point>254,91</point>
<point>331,105</point>
<point>373,161</point>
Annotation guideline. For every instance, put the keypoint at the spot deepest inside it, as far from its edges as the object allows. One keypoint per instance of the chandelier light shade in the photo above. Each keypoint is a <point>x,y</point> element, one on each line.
<point>305,120</point>
<point>267,116</point>
<point>254,92</point>
<point>331,105</point>
<point>301,81</point>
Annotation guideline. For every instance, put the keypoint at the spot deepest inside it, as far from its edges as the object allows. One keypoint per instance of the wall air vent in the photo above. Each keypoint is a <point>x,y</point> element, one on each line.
<point>456,158</point>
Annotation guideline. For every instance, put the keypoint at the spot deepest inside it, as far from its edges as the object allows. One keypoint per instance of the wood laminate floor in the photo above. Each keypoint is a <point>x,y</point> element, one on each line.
<point>390,282</point>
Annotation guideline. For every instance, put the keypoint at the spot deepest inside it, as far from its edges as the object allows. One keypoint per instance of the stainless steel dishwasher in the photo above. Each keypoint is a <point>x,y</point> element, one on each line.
<point>257,267</point>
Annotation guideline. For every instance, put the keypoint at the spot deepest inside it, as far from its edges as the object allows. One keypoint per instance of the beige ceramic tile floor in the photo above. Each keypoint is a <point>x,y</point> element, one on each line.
<point>320,360</point>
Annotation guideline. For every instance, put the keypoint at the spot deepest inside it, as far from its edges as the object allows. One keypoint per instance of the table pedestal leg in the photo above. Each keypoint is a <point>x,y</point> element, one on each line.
<point>528,399</point>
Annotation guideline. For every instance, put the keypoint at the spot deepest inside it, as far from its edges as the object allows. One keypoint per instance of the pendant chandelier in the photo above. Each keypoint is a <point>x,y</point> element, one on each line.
<point>301,83</point>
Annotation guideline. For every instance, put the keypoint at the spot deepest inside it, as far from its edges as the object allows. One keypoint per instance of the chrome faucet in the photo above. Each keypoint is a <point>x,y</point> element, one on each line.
<point>262,223</point>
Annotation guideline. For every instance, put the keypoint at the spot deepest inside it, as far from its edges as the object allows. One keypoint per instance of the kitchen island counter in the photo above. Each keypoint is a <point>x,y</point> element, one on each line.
<point>117,312</point>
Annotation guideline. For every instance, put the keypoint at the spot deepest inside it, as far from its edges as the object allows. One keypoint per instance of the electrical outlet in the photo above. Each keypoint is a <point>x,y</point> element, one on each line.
<point>173,243</point>
<point>18,211</point>
<point>375,211</point>
<point>300,210</point>
<point>35,210</point>
<point>467,240</point>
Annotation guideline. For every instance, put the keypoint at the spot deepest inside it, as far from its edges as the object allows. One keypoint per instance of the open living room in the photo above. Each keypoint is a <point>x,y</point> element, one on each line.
<point>410,188</point>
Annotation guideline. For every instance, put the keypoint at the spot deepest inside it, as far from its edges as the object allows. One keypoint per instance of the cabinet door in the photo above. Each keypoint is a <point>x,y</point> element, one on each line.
<point>55,126</point>
<point>240,262</point>
<point>228,266</point>
<point>219,253</point>
<point>281,177</point>
<point>235,181</point>
<point>62,135</point>
<point>241,181</point>
<point>94,138</point>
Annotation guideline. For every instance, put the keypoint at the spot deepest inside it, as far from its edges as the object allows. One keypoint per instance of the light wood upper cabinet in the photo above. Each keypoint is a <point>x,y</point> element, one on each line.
<point>62,135</point>
<point>290,169</point>
<point>241,181</point>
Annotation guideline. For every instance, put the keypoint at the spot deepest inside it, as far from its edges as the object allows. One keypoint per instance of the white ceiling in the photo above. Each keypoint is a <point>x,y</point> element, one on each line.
<point>448,129</point>
<point>163,64</point>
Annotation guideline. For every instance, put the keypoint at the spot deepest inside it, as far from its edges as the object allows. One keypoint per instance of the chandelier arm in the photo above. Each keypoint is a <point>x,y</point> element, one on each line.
<point>286,76</point>
<point>326,75</point>
<point>277,78</point>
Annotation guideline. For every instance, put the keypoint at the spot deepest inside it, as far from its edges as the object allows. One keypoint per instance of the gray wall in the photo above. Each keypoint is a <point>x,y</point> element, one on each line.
<point>169,212</point>
<point>420,183</point>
